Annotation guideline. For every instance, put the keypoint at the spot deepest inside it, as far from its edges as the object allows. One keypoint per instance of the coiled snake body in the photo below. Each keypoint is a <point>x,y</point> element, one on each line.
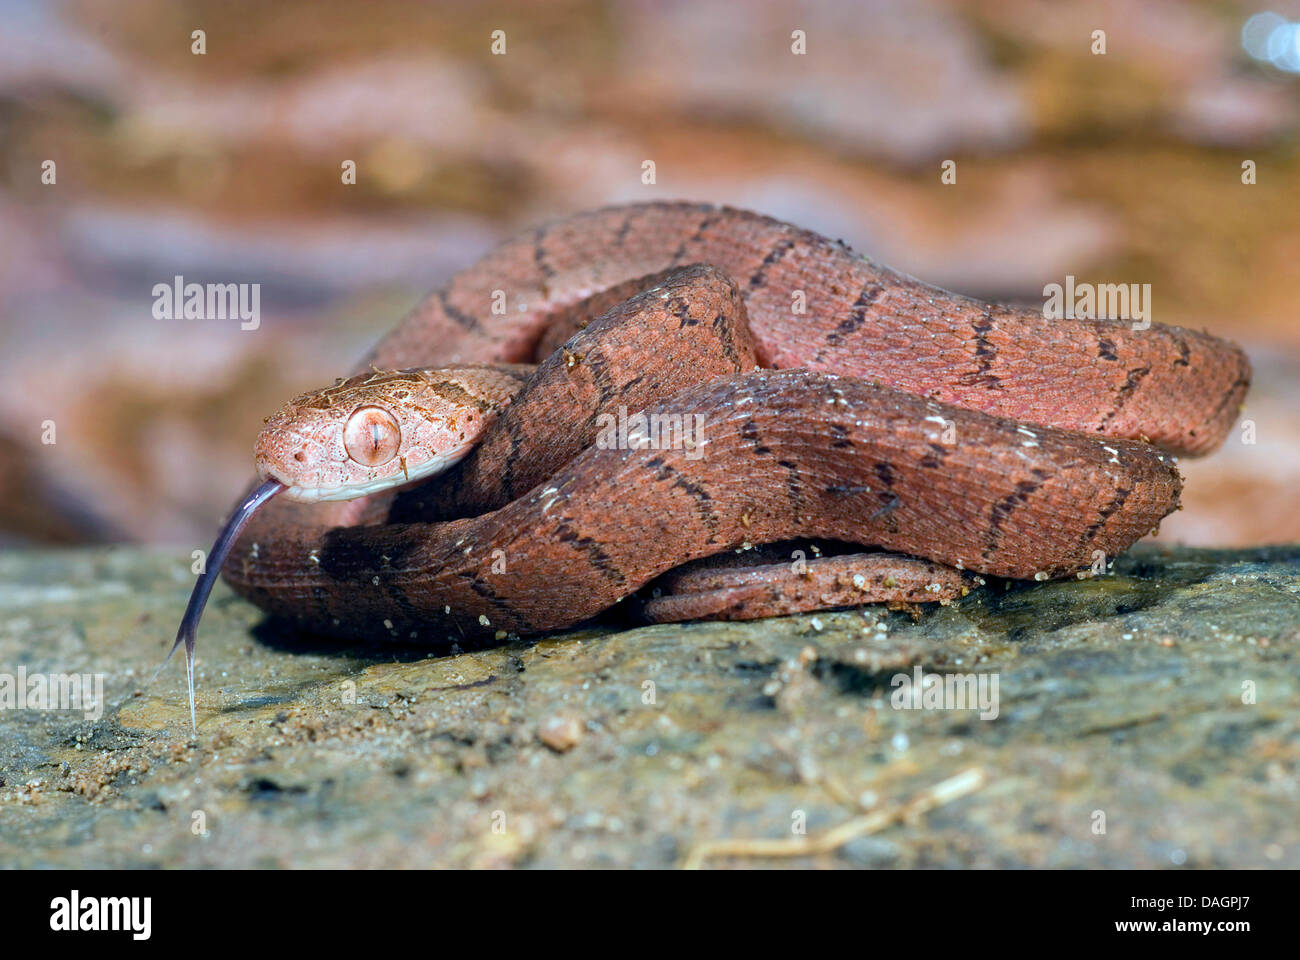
<point>836,399</point>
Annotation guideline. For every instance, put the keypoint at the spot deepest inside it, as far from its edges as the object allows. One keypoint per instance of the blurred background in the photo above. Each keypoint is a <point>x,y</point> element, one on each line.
<point>225,168</point>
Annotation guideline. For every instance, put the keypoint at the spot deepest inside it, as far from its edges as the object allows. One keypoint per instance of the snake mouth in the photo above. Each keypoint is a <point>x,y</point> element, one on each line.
<point>342,492</point>
<point>300,491</point>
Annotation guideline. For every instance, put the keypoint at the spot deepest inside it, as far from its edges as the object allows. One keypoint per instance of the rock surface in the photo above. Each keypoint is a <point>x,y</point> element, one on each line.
<point>1147,718</point>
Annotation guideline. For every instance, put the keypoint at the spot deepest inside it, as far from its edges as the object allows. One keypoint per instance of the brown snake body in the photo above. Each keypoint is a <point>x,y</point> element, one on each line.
<point>899,416</point>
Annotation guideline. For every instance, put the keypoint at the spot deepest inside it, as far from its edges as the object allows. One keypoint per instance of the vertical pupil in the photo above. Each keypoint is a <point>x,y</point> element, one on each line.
<point>371,436</point>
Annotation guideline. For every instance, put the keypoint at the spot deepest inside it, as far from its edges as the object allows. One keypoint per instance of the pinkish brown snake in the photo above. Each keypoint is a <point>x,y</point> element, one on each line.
<point>838,400</point>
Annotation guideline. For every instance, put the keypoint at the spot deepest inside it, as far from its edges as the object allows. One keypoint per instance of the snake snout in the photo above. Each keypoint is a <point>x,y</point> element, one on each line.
<point>294,451</point>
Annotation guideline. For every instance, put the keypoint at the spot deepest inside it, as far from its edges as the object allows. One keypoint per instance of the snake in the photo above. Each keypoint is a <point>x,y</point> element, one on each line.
<point>657,400</point>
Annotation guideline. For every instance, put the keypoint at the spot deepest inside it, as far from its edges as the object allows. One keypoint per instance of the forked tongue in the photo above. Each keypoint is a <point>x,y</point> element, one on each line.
<point>216,560</point>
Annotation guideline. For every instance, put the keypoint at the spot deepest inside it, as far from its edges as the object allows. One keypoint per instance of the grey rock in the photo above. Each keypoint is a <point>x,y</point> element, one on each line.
<point>1159,703</point>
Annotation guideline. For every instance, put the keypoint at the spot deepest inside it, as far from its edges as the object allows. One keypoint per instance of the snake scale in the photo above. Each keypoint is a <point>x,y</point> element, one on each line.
<point>838,400</point>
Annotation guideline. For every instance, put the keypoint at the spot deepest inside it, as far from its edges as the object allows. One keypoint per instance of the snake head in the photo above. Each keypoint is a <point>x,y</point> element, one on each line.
<point>380,430</point>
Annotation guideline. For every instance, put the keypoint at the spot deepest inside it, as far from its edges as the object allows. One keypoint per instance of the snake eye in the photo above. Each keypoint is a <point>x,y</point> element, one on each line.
<point>372,436</point>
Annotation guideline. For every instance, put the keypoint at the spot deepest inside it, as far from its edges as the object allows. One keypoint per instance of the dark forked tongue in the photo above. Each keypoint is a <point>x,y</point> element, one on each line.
<point>216,560</point>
